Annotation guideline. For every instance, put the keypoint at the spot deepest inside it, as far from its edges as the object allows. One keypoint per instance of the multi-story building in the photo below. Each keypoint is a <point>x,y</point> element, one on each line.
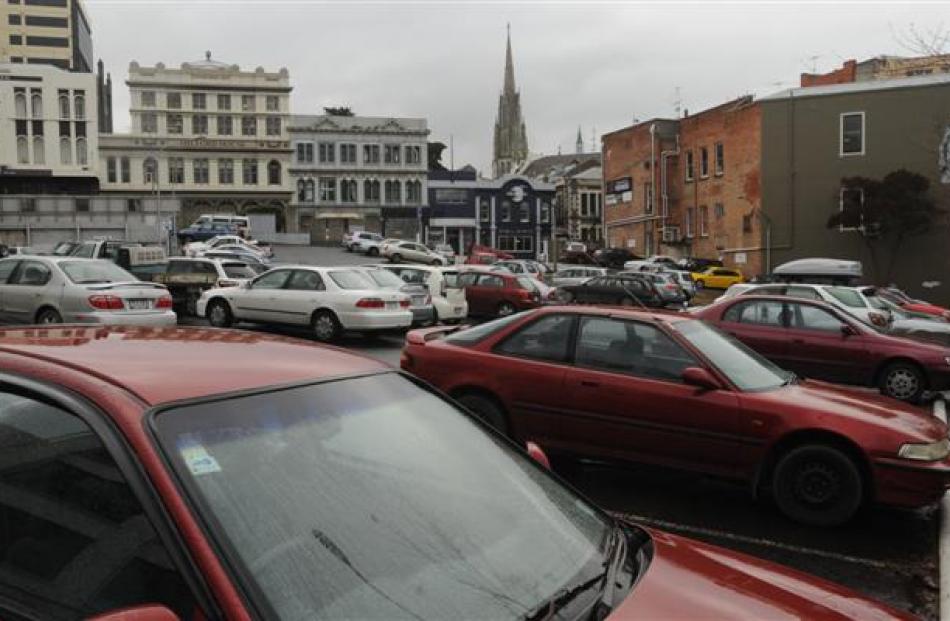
<point>352,172</point>
<point>211,135</point>
<point>48,32</point>
<point>579,204</point>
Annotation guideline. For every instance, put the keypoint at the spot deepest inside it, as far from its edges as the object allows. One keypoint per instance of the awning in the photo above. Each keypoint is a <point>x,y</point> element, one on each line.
<point>338,216</point>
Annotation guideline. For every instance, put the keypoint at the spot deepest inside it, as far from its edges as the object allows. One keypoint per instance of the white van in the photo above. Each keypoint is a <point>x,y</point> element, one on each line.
<point>241,223</point>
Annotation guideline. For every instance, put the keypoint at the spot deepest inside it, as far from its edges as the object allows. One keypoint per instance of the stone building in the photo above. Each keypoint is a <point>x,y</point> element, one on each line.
<point>359,173</point>
<point>510,138</point>
<point>579,204</point>
<point>47,32</point>
<point>209,134</point>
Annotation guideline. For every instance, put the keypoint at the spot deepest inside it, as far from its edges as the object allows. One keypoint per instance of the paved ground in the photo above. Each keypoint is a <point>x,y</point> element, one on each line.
<point>886,554</point>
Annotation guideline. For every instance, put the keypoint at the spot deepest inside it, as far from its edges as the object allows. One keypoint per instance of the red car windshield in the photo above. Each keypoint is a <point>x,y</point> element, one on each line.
<point>746,369</point>
<point>372,498</point>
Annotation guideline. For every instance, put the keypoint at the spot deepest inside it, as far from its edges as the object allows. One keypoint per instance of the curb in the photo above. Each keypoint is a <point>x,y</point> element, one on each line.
<point>943,542</point>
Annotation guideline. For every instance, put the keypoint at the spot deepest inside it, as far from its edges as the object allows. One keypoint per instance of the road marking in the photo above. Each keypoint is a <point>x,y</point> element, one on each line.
<point>709,532</point>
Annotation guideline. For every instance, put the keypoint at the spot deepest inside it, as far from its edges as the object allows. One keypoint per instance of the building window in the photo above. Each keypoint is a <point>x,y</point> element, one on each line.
<point>703,162</point>
<point>371,191</point>
<point>28,205</point>
<point>16,40</point>
<point>371,154</point>
<point>516,243</point>
<point>506,211</point>
<point>133,205</point>
<point>225,125</point>
<point>648,197</point>
<point>484,210</point>
<point>305,152</point>
<point>273,126</point>
<point>39,150</point>
<point>704,221</point>
<point>19,104</point>
<point>348,188</point>
<point>852,133</point>
<point>689,165</point>
<point>248,103</point>
<point>176,170</point>
<point>64,104</point>
<point>720,211</point>
<point>851,204</point>
<point>690,214</point>
<point>747,223</point>
<point>148,99</point>
<point>198,101</point>
<point>272,103</point>
<point>173,101</point>
<point>327,152</point>
<point>111,170</point>
<point>720,159</point>
<point>225,171</point>
<point>413,154</point>
<point>273,173</point>
<point>393,192</point>
<point>150,170</point>
<point>545,213</point>
<point>80,128</point>
<point>175,124</point>
<point>22,150</point>
<point>149,123</point>
<point>65,151</point>
<point>199,125</point>
<point>224,102</point>
<point>13,20</point>
<point>82,205</point>
<point>249,126</point>
<point>327,190</point>
<point>36,105</point>
<point>200,170</point>
<point>391,154</point>
<point>308,190</point>
<point>413,192</point>
<point>249,172</point>
<point>125,169</point>
<point>348,153</point>
<point>524,213</point>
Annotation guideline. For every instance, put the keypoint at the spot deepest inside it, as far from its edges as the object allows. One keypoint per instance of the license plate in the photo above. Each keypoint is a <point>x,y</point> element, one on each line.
<point>418,301</point>
<point>392,305</point>
<point>139,304</point>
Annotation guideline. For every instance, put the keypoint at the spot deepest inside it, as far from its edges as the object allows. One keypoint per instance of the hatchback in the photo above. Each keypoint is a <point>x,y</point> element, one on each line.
<point>498,293</point>
<point>716,278</point>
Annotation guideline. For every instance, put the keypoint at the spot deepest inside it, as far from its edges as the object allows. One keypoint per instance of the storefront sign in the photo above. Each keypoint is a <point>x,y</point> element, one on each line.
<point>618,186</point>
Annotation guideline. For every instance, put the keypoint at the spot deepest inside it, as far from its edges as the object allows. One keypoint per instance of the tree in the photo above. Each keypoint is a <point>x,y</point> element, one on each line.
<point>927,42</point>
<point>886,213</point>
<point>339,111</point>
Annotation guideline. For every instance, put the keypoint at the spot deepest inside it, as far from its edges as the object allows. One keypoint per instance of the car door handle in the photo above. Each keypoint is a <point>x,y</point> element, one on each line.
<point>590,384</point>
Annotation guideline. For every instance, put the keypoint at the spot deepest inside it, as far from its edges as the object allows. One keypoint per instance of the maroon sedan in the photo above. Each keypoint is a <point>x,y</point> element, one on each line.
<point>674,391</point>
<point>814,339</point>
<point>497,293</point>
<point>162,474</point>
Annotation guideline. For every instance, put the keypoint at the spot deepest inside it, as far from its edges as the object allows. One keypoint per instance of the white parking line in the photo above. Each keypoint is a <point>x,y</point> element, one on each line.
<point>709,532</point>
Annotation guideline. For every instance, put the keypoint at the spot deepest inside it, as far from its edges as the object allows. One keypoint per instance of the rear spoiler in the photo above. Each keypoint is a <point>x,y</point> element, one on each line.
<point>421,337</point>
<point>128,283</point>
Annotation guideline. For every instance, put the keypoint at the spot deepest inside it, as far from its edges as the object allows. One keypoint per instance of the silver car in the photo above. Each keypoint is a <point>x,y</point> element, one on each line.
<point>412,252</point>
<point>576,275</point>
<point>420,302</point>
<point>36,289</point>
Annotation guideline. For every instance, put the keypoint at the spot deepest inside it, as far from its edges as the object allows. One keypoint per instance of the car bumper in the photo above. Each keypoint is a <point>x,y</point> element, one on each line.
<point>162,319</point>
<point>422,315</point>
<point>448,310</point>
<point>907,483</point>
<point>378,320</point>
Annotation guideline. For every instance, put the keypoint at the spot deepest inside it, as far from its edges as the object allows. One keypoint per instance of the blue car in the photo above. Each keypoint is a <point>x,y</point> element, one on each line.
<point>204,231</point>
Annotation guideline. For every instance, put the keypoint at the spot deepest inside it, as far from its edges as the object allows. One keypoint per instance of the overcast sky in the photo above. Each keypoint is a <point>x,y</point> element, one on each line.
<point>594,64</point>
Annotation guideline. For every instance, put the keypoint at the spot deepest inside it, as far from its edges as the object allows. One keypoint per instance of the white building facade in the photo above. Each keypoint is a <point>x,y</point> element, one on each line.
<point>359,173</point>
<point>208,134</point>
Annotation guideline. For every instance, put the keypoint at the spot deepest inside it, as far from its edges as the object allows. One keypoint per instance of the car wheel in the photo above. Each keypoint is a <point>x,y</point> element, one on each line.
<point>903,381</point>
<point>219,314</point>
<point>700,285</point>
<point>436,262</point>
<point>566,296</point>
<point>395,258</point>
<point>326,327</point>
<point>487,410</point>
<point>817,485</point>
<point>373,252</point>
<point>506,308</point>
<point>349,248</point>
<point>49,315</point>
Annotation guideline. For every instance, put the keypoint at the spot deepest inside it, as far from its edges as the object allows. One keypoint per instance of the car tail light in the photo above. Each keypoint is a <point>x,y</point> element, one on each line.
<point>228,283</point>
<point>878,319</point>
<point>670,286</point>
<point>371,303</point>
<point>106,302</point>
<point>404,303</point>
<point>164,302</point>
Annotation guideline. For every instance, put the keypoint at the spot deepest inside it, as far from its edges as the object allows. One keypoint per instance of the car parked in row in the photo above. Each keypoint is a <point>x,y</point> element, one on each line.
<point>186,278</point>
<point>909,304</point>
<point>352,240</point>
<point>256,262</point>
<point>195,249</point>
<point>621,289</point>
<point>46,289</point>
<point>817,340</point>
<point>448,296</point>
<point>496,293</point>
<point>716,278</point>
<point>612,258</point>
<point>522,266</point>
<point>575,275</point>
<point>328,300</point>
<point>670,390</point>
<point>849,299</point>
<point>420,300</point>
<point>141,466</point>
<point>412,252</point>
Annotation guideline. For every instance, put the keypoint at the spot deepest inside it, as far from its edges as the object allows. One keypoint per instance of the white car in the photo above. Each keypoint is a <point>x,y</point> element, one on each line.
<point>330,300</point>
<point>576,275</point>
<point>849,299</point>
<point>368,244</point>
<point>196,249</point>
<point>352,242</point>
<point>411,252</point>
<point>448,297</point>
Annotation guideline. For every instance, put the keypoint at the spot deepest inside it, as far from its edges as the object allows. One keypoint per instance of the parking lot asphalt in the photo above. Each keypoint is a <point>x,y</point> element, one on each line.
<point>887,554</point>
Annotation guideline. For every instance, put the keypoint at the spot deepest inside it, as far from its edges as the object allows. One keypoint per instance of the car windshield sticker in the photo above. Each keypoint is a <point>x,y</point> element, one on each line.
<point>196,458</point>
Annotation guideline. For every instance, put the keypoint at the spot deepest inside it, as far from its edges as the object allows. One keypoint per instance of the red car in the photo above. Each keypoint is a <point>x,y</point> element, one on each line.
<point>161,474</point>
<point>674,391</point>
<point>498,293</point>
<point>911,305</point>
<point>814,339</point>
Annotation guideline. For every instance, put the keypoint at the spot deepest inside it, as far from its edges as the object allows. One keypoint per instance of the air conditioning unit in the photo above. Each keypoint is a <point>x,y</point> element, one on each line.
<point>671,234</point>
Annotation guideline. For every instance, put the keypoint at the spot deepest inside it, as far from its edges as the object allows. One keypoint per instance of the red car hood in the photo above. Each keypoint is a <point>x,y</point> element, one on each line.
<point>924,307</point>
<point>691,580</point>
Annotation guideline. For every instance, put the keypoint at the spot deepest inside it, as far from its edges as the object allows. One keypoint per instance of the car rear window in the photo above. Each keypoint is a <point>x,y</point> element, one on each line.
<point>476,334</point>
<point>349,279</point>
<point>88,272</point>
<point>385,278</point>
<point>848,297</point>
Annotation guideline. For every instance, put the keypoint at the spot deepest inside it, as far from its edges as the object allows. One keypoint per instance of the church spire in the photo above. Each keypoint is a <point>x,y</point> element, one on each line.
<point>511,143</point>
<point>509,67</point>
<point>580,141</point>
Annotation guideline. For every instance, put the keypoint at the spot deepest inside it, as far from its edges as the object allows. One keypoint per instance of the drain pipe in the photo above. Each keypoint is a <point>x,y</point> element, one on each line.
<point>663,177</point>
<point>653,168</point>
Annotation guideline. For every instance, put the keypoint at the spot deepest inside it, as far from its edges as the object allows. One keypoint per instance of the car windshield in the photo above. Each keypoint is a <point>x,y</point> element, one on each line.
<point>351,279</point>
<point>746,369</point>
<point>527,283</point>
<point>385,278</point>
<point>372,498</point>
<point>473,335</point>
<point>238,270</point>
<point>849,297</point>
<point>90,272</point>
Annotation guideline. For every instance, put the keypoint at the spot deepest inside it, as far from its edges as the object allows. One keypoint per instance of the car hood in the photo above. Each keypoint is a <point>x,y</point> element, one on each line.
<point>687,579</point>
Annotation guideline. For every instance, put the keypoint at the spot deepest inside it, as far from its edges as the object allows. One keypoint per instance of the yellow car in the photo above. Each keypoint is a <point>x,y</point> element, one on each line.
<point>716,278</point>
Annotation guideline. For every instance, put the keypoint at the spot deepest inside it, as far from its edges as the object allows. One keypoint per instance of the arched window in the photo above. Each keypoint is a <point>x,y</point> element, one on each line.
<point>348,189</point>
<point>413,191</point>
<point>39,150</point>
<point>82,157</point>
<point>149,170</point>
<point>22,150</point>
<point>65,151</point>
<point>273,173</point>
<point>371,191</point>
<point>36,103</point>
<point>301,191</point>
<point>308,190</point>
<point>393,192</point>
<point>64,106</point>
<point>79,105</point>
<point>20,105</point>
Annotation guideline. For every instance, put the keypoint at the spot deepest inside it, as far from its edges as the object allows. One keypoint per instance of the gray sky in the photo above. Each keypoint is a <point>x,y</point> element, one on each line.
<point>594,64</point>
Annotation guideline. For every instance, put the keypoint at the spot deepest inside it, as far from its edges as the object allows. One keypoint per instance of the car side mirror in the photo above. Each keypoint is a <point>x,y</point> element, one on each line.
<point>150,612</point>
<point>700,378</point>
<point>847,331</point>
<point>538,455</point>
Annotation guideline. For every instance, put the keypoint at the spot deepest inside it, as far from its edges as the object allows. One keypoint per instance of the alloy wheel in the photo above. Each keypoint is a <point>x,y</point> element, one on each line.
<point>325,327</point>
<point>902,383</point>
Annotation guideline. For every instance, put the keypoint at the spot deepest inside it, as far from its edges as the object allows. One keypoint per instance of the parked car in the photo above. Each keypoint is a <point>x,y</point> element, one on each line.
<point>240,224</point>
<point>716,278</point>
<point>420,300</point>
<point>329,300</point>
<point>817,340</point>
<point>575,246</point>
<point>186,278</point>
<point>35,289</point>
<point>256,262</point>
<point>575,275</point>
<point>619,289</point>
<point>521,266</point>
<point>485,255</point>
<point>685,281</point>
<point>195,249</point>
<point>412,252</point>
<point>497,293</point>
<point>204,230</point>
<point>446,251</point>
<point>909,324</point>
<point>367,243</point>
<point>141,466</point>
<point>849,299</point>
<point>64,248</point>
<point>448,297</point>
<point>613,258</point>
<point>666,389</point>
<point>667,286</point>
<point>697,264</point>
<point>582,258</point>
<point>910,304</point>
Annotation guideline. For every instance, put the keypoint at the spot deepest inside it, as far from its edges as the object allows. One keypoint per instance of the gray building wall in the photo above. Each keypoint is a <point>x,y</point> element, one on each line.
<point>906,126</point>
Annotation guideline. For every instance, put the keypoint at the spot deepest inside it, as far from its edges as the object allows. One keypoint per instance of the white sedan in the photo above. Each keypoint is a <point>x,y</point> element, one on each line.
<point>411,252</point>
<point>329,300</point>
<point>197,249</point>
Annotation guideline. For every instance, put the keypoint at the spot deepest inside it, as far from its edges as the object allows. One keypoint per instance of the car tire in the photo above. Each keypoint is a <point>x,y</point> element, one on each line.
<point>436,263</point>
<point>219,314</point>
<point>395,258</point>
<point>486,409</point>
<point>326,327</point>
<point>505,309</point>
<point>373,252</point>
<point>903,381</point>
<point>817,485</point>
<point>700,285</point>
<point>49,315</point>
